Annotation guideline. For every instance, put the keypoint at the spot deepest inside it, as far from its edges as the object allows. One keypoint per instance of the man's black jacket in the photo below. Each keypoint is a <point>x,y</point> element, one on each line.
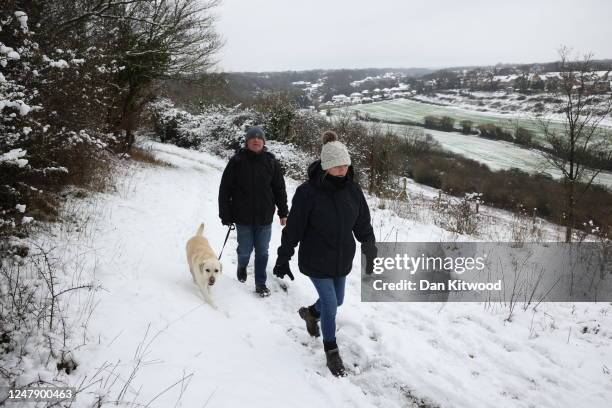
<point>251,185</point>
<point>323,218</point>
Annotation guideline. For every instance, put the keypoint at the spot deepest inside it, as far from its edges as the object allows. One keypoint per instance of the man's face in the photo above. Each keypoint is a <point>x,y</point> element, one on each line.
<point>255,144</point>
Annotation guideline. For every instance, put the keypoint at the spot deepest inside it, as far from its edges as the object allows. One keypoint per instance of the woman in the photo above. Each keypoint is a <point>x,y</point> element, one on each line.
<point>325,213</point>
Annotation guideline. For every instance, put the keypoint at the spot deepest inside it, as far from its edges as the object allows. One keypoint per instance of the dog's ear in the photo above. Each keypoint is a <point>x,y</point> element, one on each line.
<point>201,267</point>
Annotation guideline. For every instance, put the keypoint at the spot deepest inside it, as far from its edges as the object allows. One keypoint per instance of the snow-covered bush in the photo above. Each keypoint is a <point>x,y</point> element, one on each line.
<point>218,128</point>
<point>50,104</point>
<point>166,119</point>
<point>278,113</point>
<point>294,160</point>
<point>50,108</point>
<point>18,102</point>
<point>221,129</point>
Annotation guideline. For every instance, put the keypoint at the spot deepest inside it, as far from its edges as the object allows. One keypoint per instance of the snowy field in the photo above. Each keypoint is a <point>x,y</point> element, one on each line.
<point>498,154</point>
<point>409,110</point>
<point>501,102</point>
<point>151,330</point>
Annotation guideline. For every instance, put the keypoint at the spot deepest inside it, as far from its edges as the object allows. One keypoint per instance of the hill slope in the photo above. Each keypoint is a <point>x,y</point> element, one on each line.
<point>151,329</point>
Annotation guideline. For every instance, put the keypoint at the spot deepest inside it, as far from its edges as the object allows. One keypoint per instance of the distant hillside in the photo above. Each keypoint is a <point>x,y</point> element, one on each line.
<point>304,87</point>
<point>603,65</point>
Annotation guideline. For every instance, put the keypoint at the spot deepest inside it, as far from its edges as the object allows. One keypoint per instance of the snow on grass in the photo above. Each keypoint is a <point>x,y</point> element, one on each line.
<point>496,154</point>
<point>414,111</point>
<point>502,103</point>
<point>255,351</point>
<point>500,155</point>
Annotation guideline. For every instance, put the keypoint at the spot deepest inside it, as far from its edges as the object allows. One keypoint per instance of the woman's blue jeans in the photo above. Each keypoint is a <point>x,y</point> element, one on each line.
<point>258,237</point>
<point>331,296</point>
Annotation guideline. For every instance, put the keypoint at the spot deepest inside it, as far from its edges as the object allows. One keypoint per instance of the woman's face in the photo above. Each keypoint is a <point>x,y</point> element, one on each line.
<point>338,171</point>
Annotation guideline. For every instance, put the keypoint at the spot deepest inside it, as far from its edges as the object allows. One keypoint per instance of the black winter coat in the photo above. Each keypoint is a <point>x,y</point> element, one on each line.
<point>251,186</point>
<point>323,218</point>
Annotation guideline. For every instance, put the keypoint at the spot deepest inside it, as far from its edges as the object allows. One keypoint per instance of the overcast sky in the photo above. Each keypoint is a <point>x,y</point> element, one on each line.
<point>276,35</point>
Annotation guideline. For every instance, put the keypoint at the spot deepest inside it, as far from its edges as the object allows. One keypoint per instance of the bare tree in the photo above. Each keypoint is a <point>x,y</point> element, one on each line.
<point>164,39</point>
<point>583,147</point>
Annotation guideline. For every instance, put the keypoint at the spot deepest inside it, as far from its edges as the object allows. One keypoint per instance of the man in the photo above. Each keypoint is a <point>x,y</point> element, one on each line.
<point>251,186</point>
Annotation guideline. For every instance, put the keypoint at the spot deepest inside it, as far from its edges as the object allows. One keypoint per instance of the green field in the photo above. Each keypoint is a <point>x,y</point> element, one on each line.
<point>404,110</point>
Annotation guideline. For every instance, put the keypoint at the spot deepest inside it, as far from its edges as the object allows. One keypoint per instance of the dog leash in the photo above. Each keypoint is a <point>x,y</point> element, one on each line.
<point>231,227</point>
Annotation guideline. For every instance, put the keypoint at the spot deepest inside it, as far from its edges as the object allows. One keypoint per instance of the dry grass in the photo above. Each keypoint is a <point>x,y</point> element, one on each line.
<point>145,156</point>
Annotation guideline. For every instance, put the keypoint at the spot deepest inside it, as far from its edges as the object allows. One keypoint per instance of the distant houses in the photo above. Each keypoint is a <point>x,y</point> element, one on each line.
<point>369,96</point>
<point>392,86</point>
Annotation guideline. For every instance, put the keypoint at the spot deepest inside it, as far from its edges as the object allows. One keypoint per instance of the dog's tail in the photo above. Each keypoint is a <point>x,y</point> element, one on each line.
<point>200,230</point>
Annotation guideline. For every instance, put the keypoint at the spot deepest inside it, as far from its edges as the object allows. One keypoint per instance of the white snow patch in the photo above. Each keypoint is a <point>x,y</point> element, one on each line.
<point>14,157</point>
<point>59,64</point>
<point>23,20</point>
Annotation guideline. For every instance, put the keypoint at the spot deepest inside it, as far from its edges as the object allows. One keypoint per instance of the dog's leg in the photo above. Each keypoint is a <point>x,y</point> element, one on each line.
<point>205,290</point>
<point>192,274</point>
<point>208,299</point>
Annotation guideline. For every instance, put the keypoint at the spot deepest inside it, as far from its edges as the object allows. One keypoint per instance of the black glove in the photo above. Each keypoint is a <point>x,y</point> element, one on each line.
<point>370,251</point>
<point>227,222</point>
<point>281,269</point>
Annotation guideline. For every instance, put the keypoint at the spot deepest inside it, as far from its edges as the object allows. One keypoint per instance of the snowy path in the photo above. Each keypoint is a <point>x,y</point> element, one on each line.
<point>255,352</point>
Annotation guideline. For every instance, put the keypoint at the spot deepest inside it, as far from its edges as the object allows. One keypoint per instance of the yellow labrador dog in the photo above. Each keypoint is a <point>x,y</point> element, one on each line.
<point>204,266</point>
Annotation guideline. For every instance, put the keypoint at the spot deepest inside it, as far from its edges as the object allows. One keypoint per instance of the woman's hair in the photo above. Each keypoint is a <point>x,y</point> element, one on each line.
<point>329,136</point>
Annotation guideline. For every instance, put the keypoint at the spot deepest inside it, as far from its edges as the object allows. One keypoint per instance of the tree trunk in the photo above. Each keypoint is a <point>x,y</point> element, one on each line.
<point>571,204</point>
<point>127,117</point>
<point>129,139</point>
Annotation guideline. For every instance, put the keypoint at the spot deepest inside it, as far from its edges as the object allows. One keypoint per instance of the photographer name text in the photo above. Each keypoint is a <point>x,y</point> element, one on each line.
<point>455,285</point>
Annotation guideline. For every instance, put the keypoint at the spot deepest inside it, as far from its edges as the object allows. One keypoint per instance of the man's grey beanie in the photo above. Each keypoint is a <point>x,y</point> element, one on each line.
<point>333,152</point>
<point>255,131</point>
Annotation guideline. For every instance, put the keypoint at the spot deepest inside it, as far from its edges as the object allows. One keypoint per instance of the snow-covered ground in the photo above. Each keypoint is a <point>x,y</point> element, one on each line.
<point>501,102</point>
<point>151,329</point>
<point>415,111</point>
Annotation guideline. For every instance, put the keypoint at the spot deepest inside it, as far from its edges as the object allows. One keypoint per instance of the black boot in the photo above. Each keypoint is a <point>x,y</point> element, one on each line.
<point>262,290</point>
<point>241,273</point>
<point>334,362</point>
<point>312,321</point>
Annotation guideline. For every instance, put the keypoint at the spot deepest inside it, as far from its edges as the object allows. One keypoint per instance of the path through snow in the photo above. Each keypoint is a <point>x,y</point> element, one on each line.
<point>255,352</point>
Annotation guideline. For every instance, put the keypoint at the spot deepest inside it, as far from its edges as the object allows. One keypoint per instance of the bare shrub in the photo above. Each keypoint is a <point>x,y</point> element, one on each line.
<point>145,156</point>
<point>457,215</point>
<point>466,126</point>
<point>525,227</point>
<point>33,296</point>
<point>445,123</point>
<point>491,131</point>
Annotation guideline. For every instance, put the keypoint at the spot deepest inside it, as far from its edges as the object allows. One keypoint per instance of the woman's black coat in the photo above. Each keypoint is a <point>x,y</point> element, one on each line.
<point>323,218</point>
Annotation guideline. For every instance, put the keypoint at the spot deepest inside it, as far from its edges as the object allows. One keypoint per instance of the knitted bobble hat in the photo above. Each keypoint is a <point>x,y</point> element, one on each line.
<point>333,152</point>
